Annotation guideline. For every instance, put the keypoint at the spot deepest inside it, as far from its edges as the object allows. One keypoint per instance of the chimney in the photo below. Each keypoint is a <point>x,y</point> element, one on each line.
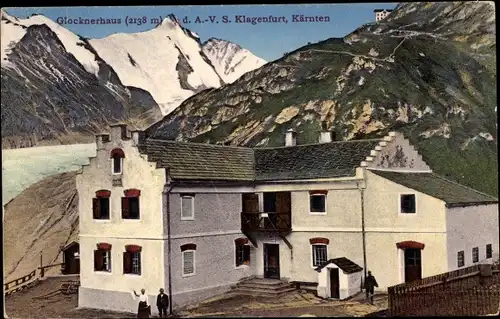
<point>101,139</point>
<point>290,137</point>
<point>119,132</point>
<point>137,136</point>
<point>325,135</point>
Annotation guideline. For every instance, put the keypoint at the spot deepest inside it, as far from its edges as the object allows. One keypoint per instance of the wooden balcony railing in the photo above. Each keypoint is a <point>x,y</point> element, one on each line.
<point>274,222</point>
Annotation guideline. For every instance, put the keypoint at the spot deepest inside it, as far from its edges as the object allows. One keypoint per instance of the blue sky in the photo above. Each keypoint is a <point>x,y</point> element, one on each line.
<point>268,41</point>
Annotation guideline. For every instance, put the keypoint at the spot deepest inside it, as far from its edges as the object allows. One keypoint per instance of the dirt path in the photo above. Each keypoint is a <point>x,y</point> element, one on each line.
<point>25,304</point>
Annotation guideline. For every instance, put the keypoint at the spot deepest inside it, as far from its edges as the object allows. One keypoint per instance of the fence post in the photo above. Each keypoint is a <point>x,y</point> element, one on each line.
<point>41,266</point>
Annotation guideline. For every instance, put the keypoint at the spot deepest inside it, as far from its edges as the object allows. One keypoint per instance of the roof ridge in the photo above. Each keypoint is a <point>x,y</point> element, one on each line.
<point>198,143</point>
<point>462,185</point>
<point>329,143</point>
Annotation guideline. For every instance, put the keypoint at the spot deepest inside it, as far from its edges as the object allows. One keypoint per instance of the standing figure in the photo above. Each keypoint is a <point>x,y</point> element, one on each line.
<point>162,303</point>
<point>143,309</point>
<point>370,284</point>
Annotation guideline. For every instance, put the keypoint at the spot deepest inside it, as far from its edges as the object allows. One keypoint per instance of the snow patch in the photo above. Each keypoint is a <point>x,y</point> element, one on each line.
<point>361,81</point>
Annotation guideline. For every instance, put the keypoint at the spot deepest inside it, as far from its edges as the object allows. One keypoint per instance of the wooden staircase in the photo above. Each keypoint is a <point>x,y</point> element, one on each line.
<point>263,287</point>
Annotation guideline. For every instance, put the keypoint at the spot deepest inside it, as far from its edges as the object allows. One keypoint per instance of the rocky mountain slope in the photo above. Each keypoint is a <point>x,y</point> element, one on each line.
<point>43,218</point>
<point>58,87</point>
<point>428,70</point>
<point>229,59</point>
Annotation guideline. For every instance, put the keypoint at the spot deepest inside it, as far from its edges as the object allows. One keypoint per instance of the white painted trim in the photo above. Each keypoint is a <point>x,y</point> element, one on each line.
<point>312,254</point>
<point>325,229</point>
<point>165,237</point>
<point>234,259</point>
<point>214,233</point>
<point>192,206</point>
<point>326,204</point>
<point>319,180</point>
<point>399,203</point>
<point>211,190</point>
<point>398,170</point>
<point>101,221</point>
<point>406,230</point>
<point>401,264</point>
<point>194,263</point>
<point>369,229</point>
<point>113,168</point>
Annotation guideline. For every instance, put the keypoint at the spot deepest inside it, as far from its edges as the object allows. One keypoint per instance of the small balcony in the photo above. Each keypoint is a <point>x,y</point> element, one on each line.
<point>266,222</point>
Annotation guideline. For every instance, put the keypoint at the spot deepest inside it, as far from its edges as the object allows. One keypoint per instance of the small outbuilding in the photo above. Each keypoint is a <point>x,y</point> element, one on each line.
<point>339,278</point>
<point>71,259</point>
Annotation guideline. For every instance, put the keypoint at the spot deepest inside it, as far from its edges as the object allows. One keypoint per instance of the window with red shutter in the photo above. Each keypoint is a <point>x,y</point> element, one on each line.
<point>96,208</point>
<point>127,262</point>
<point>125,208</point>
<point>98,260</point>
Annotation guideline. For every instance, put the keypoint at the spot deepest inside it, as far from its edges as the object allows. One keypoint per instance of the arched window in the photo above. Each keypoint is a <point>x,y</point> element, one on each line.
<point>117,157</point>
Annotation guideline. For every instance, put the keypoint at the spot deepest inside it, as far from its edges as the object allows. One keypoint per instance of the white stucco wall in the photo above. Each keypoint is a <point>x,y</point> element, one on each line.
<point>386,262</point>
<point>138,173</point>
<point>147,232</point>
<point>341,225</point>
<point>469,227</point>
<point>382,204</point>
<point>385,227</point>
<point>152,267</point>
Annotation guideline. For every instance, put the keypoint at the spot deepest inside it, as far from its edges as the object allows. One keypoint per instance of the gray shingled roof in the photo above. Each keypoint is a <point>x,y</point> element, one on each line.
<point>196,161</point>
<point>348,266</point>
<point>453,194</point>
<point>312,161</point>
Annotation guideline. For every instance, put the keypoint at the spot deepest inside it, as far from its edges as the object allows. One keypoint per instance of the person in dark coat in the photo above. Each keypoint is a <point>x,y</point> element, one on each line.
<point>143,309</point>
<point>370,284</point>
<point>162,303</point>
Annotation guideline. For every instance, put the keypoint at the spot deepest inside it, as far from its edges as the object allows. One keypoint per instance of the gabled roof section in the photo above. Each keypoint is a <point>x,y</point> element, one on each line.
<point>326,160</point>
<point>197,161</point>
<point>208,162</point>
<point>348,266</point>
<point>452,193</point>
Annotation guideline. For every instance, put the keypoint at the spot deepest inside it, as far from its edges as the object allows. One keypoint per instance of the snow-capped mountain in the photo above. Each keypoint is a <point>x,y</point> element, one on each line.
<point>166,61</point>
<point>230,60</point>
<point>58,86</point>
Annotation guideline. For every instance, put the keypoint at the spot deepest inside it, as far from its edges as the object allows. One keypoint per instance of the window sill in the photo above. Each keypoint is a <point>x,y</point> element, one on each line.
<point>117,174</point>
<point>317,213</point>
<point>102,272</point>
<point>187,218</point>
<point>132,275</point>
<point>188,275</point>
<point>102,220</point>
<point>131,220</point>
<point>242,267</point>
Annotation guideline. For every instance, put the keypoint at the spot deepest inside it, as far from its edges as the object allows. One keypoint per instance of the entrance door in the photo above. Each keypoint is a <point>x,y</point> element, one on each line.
<point>413,264</point>
<point>272,261</point>
<point>334,283</point>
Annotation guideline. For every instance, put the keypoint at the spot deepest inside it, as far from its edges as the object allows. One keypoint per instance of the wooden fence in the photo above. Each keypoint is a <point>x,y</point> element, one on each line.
<point>467,291</point>
<point>27,280</point>
<point>20,283</point>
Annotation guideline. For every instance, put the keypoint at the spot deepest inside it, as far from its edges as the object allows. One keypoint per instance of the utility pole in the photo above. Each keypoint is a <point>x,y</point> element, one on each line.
<point>169,188</point>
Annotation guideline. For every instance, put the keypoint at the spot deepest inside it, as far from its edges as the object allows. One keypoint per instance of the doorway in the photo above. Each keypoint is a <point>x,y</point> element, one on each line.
<point>71,259</point>
<point>334,283</point>
<point>413,264</point>
<point>272,261</point>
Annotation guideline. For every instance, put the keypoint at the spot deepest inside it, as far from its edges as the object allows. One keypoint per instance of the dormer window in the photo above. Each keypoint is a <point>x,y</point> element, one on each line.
<point>117,157</point>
